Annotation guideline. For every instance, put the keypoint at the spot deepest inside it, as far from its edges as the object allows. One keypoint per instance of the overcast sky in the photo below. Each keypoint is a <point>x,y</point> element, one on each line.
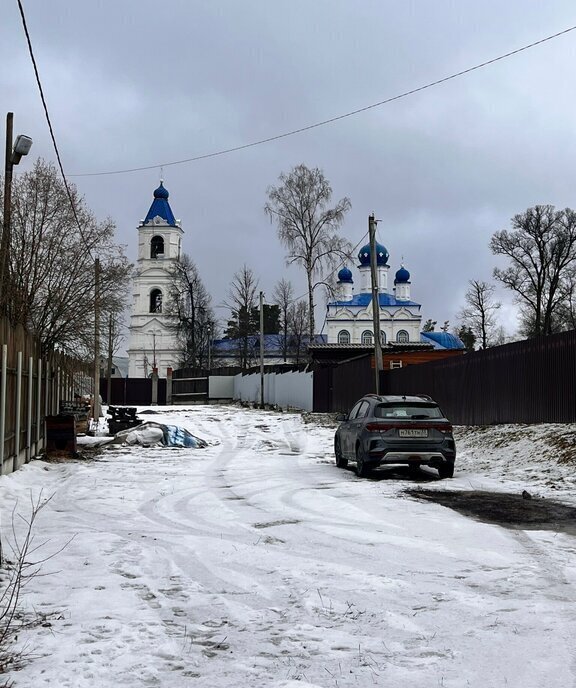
<point>131,84</point>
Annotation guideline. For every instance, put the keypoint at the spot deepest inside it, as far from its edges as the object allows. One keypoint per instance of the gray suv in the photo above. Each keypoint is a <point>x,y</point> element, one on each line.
<point>409,430</point>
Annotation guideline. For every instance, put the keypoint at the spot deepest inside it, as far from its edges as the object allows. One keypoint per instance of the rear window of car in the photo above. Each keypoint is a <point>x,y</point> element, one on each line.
<point>407,410</point>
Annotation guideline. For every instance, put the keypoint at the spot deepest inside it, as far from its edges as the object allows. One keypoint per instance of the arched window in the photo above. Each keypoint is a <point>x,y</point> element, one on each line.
<point>343,337</point>
<point>382,337</point>
<point>157,247</point>
<point>402,337</point>
<point>367,337</point>
<point>155,301</point>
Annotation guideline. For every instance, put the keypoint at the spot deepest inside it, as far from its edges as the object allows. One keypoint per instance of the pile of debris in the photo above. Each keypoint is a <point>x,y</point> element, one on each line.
<point>123,418</point>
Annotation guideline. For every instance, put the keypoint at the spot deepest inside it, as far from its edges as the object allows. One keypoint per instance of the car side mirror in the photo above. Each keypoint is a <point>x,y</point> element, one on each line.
<point>342,417</point>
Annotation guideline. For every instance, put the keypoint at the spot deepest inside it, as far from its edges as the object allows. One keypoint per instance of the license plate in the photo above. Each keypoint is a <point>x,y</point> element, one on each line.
<point>412,432</point>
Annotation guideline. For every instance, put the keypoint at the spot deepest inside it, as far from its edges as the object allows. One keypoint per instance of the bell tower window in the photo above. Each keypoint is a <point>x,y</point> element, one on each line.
<point>157,247</point>
<point>155,301</point>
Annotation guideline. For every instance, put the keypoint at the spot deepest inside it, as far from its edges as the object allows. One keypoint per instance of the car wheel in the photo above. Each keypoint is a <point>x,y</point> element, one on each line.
<point>341,462</point>
<point>446,470</point>
<point>362,470</point>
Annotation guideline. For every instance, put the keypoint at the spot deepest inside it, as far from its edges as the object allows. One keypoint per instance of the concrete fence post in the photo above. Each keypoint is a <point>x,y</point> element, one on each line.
<point>154,387</point>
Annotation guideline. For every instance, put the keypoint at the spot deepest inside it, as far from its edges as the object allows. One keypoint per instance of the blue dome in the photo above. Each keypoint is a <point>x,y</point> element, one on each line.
<point>402,275</point>
<point>381,255</point>
<point>345,275</point>
<point>161,192</point>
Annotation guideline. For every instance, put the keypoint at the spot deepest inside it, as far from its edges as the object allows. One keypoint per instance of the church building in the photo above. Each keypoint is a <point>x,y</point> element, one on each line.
<point>349,317</point>
<point>153,342</point>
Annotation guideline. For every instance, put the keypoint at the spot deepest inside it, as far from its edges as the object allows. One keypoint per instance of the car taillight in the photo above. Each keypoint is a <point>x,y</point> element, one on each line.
<point>443,427</point>
<point>380,427</point>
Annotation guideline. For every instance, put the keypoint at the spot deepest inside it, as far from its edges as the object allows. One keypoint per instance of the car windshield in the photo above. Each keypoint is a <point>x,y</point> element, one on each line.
<point>407,410</point>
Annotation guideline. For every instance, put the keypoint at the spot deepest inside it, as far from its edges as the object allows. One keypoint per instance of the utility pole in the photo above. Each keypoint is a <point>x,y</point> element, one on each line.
<point>375,302</point>
<point>110,346</point>
<point>5,286</point>
<point>96,405</point>
<point>261,349</point>
<point>13,157</point>
<point>209,348</point>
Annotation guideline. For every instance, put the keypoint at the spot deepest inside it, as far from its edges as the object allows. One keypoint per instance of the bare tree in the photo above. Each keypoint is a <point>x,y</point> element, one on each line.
<point>479,314</point>
<point>284,296</point>
<point>241,301</point>
<point>298,318</point>
<point>307,226</point>
<point>51,261</point>
<point>192,315</point>
<point>541,248</point>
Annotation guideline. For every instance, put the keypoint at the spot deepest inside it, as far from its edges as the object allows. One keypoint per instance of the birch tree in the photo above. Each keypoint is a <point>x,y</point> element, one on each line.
<point>307,225</point>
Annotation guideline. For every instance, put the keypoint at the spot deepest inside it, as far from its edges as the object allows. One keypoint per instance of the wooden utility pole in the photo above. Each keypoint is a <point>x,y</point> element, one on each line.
<point>110,347</point>
<point>375,302</point>
<point>5,286</point>
<point>261,349</point>
<point>96,405</point>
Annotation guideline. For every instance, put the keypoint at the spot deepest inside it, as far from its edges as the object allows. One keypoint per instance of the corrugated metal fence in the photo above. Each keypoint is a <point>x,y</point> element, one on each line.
<point>532,381</point>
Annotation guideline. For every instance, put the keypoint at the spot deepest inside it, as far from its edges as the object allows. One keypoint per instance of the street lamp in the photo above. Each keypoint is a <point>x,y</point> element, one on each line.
<point>13,156</point>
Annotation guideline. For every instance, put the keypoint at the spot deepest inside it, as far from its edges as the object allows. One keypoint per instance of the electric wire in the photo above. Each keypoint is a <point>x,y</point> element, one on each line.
<point>337,118</point>
<point>47,115</point>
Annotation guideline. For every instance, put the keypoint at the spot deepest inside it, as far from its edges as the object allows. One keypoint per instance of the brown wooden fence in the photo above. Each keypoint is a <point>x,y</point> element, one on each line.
<point>32,386</point>
<point>532,381</point>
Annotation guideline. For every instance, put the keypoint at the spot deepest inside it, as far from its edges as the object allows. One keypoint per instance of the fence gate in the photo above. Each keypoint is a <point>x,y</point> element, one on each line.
<point>190,386</point>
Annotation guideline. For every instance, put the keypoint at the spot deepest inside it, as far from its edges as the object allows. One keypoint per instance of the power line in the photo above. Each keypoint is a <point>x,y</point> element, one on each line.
<point>337,118</point>
<point>66,186</point>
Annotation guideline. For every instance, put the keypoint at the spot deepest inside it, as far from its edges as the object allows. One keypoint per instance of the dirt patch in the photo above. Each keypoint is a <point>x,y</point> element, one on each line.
<point>505,509</point>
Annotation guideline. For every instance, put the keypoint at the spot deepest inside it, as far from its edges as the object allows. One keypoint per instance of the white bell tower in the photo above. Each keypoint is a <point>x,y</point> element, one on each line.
<point>153,342</point>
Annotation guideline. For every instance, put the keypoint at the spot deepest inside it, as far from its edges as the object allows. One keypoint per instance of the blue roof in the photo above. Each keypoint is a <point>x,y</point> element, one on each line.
<point>366,299</point>
<point>272,343</point>
<point>442,340</point>
<point>402,276</point>
<point>345,275</point>
<point>382,255</point>
<point>160,207</point>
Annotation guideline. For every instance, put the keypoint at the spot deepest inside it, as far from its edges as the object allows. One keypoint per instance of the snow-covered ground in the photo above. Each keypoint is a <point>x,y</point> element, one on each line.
<point>257,563</point>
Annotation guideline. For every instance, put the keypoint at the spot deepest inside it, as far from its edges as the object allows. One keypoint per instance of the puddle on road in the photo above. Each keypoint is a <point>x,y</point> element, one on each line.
<point>505,509</point>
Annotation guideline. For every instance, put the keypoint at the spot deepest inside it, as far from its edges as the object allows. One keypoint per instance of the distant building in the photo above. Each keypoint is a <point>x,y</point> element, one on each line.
<point>350,325</point>
<point>119,366</point>
<point>153,342</point>
<point>349,318</point>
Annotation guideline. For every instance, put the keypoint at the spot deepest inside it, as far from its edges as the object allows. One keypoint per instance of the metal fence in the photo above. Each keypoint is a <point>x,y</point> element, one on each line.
<point>337,388</point>
<point>532,381</point>
<point>132,391</point>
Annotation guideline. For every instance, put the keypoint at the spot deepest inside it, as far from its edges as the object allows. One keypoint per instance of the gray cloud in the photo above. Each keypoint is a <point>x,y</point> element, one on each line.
<point>133,84</point>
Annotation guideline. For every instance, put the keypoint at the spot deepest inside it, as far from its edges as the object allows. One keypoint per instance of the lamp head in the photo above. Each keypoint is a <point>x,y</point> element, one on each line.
<point>21,147</point>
